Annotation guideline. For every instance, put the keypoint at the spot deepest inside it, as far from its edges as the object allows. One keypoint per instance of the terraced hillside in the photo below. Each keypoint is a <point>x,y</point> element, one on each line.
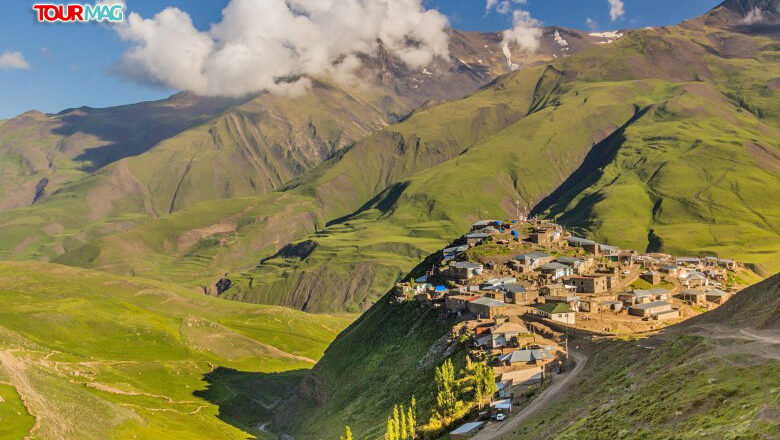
<point>86,355</point>
<point>665,139</point>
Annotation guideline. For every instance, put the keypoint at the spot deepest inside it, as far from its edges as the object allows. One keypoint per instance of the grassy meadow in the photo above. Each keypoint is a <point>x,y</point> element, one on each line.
<point>96,356</point>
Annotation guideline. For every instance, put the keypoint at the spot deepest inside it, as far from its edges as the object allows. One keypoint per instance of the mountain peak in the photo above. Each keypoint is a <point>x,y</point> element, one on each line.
<point>745,7</point>
<point>748,14</point>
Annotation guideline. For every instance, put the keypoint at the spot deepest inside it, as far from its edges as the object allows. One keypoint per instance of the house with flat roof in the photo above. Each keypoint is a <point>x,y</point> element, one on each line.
<point>475,238</point>
<point>533,259</point>
<point>452,252</point>
<point>716,296</point>
<point>466,430</point>
<point>579,242</point>
<point>578,265</point>
<point>525,376</point>
<point>594,284</point>
<point>692,296</point>
<point>656,293</point>
<point>695,279</point>
<point>651,277</point>
<point>537,356</point>
<point>506,334</point>
<point>556,270</point>
<point>457,303</point>
<point>557,289</point>
<point>464,270</point>
<point>650,308</point>
<point>485,307</point>
<point>559,312</point>
<point>497,282</point>
<point>515,293</point>
<point>482,224</point>
<point>633,298</point>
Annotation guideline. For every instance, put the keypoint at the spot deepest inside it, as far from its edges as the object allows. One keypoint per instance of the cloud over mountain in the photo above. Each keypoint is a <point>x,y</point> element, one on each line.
<point>616,9</point>
<point>273,44</point>
<point>526,34</point>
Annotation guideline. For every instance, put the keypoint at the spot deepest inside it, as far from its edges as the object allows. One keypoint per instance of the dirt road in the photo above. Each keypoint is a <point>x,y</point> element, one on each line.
<point>495,430</point>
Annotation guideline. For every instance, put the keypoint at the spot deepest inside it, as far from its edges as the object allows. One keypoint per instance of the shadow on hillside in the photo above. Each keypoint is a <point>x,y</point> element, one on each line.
<point>588,173</point>
<point>134,129</point>
<point>247,400</point>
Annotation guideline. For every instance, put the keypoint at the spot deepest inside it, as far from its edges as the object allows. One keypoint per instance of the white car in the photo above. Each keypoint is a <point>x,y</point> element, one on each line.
<point>500,417</point>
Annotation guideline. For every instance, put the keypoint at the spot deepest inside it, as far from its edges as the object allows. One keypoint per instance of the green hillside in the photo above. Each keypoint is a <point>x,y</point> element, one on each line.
<point>387,356</point>
<point>92,172</point>
<point>41,153</point>
<point>86,355</point>
<point>710,377</point>
<point>664,140</point>
<point>643,154</point>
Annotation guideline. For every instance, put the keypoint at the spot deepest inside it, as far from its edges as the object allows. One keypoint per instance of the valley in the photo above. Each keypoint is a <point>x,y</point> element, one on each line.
<point>541,233</point>
<point>93,356</point>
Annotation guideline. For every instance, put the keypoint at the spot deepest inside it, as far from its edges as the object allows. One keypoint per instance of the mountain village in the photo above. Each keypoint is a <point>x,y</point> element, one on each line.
<point>519,289</point>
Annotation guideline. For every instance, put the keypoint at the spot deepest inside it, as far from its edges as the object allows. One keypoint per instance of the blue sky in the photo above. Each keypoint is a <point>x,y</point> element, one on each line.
<point>70,65</point>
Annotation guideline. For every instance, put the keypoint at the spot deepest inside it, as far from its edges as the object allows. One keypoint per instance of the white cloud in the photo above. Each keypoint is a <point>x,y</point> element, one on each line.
<point>616,9</point>
<point>11,60</point>
<point>591,23</point>
<point>502,6</point>
<point>270,44</point>
<point>526,33</point>
<point>561,41</point>
<point>757,16</point>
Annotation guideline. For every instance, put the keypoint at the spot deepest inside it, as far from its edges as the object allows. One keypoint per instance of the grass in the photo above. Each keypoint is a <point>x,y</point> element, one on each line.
<point>99,356</point>
<point>703,396</point>
<point>384,358</point>
<point>15,421</point>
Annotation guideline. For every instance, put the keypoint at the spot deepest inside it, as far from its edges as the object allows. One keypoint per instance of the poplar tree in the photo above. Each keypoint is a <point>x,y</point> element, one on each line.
<point>396,422</point>
<point>447,395</point>
<point>412,420</point>
<point>347,435</point>
<point>390,434</point>
<point>403,424</point>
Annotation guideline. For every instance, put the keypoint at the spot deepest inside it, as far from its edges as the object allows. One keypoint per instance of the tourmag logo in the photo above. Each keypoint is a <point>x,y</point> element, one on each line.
<point>77,12</point>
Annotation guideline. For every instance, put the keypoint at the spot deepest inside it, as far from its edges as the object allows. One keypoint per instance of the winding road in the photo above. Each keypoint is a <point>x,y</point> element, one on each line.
<point>495,430</point>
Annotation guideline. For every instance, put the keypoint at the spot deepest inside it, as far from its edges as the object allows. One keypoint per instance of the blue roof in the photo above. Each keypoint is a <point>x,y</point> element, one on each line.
<point>526,356</point>
<point>515,233</point>
<point>441,289</point>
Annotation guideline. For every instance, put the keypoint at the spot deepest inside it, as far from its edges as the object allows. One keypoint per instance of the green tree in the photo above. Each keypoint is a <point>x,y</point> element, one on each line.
<point>484,382</point>
<point>404,426</point>
<point>411,419</point>
<point>390,434</point>
<point>396,422</point>
<point>347,435</point>
<point>447,393</point>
